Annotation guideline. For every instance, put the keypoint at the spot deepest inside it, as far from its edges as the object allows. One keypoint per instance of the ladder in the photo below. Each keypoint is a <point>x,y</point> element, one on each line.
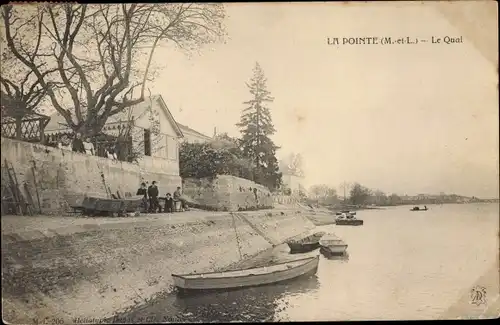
<point>22,207</point>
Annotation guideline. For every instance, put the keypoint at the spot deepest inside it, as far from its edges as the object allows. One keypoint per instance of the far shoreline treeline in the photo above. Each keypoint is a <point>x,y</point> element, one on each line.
<point>361,196</point>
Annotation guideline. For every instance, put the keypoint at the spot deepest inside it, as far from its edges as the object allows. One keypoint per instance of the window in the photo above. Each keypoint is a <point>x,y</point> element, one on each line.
<point>165,150</point>
<point>172,148</point>
<point>147,142</point>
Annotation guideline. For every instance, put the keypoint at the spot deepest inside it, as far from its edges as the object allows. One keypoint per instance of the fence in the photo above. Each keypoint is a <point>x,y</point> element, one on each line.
<point>28,128</point>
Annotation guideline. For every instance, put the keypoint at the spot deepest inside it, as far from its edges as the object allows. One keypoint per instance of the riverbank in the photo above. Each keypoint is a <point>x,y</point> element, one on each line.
<point>389,274</point>
<point>164,308</point>
<point>62,269</point>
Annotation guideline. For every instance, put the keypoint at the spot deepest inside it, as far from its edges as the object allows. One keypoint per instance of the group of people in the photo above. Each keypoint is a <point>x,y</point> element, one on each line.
<point>71,142</point>
<point>151,199</point>
<point>77,143</point>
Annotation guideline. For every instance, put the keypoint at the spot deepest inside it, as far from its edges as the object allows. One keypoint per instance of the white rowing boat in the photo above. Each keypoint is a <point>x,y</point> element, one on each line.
<point>247,277</point>
<point>305,244</point>
<point>333,244</point>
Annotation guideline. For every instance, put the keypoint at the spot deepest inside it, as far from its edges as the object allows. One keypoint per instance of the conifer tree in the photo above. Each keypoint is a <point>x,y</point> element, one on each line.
<point>256,128</point>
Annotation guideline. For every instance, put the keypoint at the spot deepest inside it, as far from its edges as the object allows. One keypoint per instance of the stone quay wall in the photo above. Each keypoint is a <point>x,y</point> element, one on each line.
<point>227,193</point>
<point>64,177</point>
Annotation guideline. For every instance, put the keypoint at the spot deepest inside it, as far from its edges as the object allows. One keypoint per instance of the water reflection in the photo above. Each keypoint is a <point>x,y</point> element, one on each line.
<point>255,304</point>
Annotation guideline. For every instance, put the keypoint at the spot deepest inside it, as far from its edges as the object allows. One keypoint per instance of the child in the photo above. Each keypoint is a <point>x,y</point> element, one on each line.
<point>169,203</point>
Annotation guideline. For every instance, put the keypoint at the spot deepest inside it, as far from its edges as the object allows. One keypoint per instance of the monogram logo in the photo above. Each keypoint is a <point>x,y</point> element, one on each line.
<point>478,295</point>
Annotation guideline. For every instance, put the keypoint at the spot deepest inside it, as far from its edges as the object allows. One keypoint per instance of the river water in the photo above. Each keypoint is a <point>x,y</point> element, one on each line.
<point>400,265</point>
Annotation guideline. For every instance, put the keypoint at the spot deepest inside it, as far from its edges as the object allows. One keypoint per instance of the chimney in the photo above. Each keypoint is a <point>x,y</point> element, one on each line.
<point>215,131</point>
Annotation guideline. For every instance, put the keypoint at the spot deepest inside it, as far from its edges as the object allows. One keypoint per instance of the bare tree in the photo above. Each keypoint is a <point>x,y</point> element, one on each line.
<point>102,54</point>
<point>379,197</point>
<point>21,92</point>
<point>345,187</point>
<point>323,194</point>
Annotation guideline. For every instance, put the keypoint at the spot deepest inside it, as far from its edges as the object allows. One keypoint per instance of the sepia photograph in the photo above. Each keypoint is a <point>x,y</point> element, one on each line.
<point>249,162</point>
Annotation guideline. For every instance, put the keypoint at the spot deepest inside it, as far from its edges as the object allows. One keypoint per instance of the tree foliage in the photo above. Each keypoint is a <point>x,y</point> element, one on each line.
<point>220,157</point>
<point>394,199</point>
<point>359,194</point>
<point>323,194</point>
<point>379,198</point>
<point>256,128</point>
<point>93,61</point>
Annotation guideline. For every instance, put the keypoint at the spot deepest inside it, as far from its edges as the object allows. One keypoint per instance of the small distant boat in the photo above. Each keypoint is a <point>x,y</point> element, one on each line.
<point>247,277</point>
<point>353,213</point>
<point>418,209</point>
<point>332,244</point>
<point>305,244</point>
<point>348,219</point>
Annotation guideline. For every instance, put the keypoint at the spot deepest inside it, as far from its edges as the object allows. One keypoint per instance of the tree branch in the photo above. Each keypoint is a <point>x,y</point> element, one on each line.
<point>6,15</point>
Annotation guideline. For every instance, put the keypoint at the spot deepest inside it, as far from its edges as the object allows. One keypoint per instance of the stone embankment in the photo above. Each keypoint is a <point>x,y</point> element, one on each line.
<point>58,178</point>
<point>227,193</point>
<point>60,269</point>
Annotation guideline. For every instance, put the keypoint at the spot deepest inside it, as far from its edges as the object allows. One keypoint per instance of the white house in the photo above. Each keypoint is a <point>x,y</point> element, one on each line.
<point>193,136</point>
<point>154,133</point>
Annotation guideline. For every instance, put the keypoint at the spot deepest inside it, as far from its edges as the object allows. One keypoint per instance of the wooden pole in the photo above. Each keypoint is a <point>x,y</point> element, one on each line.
<point>36,188</point>
<point>41,130</point>
<point>19,122</point>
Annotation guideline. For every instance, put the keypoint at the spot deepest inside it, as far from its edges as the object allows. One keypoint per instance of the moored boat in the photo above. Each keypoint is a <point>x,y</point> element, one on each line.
<point>348,219</point>
<point>348,222</point>
<point>333,256</point>
<point>418,209</point>
<point>97,206</point>
<point>346,212</point>
<point>305,244</point>
<point>332,244</point>
<point>247,277</point>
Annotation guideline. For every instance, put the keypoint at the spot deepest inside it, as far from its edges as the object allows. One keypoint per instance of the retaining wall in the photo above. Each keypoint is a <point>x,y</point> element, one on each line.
<point>228,193</point>
<point>101,269</point>
<point>64,177</point>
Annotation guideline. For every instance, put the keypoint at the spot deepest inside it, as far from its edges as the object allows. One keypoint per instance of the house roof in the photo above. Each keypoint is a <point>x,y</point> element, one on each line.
<point>58,122</point>
<point>187,129</point>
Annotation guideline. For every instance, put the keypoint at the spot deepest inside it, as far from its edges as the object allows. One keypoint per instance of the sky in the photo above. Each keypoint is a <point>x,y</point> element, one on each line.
<point>405,119</point>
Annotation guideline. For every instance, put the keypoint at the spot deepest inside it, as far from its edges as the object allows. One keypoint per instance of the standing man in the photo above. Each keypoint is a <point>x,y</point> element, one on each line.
<point>78,144</point>
<point>153,197</point>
